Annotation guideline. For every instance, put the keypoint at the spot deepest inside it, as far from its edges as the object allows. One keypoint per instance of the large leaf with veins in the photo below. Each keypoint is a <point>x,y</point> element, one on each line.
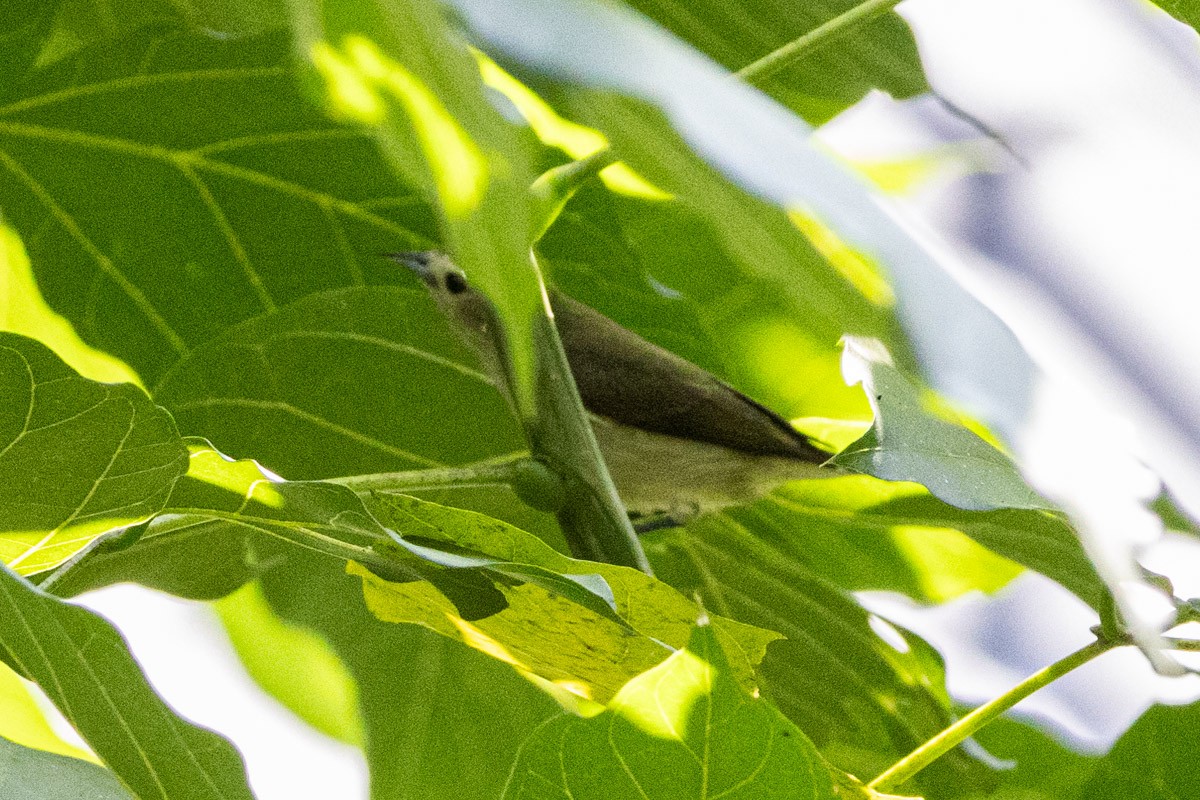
<point>78,459</point>
<point>225,194</point>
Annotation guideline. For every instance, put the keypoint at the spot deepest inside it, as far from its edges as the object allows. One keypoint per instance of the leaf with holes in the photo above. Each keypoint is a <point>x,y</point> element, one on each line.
<point>78,459</point>
<point>682,729</point>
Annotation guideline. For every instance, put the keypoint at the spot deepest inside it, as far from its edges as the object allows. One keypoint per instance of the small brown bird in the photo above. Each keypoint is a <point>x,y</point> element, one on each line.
<point>677,440</point>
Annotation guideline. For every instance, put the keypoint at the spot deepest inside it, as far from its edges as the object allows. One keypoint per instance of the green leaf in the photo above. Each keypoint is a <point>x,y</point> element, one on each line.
<point>24,27</point>
<point>327,518</point>
<point>1036,766</point>
<point>23,310</point>
<point>344,382</point>
<point>1187,11</point>
<point>22,722</point>
<point>880,55</point>
<point>397,69</point>
<point>293,664</point>
<point>441,721</point>
<point>78,459</point>
<point>683,729</point>
<point>1154,760</point>
<point>546,629</point>
<point>192,557</point>
<point>862,533</point>
<point>82,664</point>
<point>27,774</point>
<point>863,690</point>
<point>907,443</point>
<point>269,201</point>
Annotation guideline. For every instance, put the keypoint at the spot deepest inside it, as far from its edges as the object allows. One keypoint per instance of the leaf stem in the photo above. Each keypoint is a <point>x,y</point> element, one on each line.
<point>494,472</point>
<point>947,740</point>
<point>818,37</point>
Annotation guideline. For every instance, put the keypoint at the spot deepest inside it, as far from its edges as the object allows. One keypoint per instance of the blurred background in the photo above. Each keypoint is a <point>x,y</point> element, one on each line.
<point>1062,132</point>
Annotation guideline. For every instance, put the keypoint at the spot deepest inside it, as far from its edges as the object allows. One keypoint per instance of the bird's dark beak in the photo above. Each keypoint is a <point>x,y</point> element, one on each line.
<point>416,260</point>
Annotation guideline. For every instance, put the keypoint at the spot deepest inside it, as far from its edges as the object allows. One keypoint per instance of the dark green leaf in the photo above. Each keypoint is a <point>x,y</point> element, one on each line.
<point>1035,765</point>
<point>1154,760</point>
<point>82,664</point>
<point>682,729</point>
<point>27,774</point>
<point>78,459</point>
<point>192,557</point>
<point>24,28</point>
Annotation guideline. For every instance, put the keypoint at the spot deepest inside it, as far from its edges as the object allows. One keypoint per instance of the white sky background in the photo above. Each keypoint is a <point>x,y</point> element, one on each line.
<point>1107,123</point>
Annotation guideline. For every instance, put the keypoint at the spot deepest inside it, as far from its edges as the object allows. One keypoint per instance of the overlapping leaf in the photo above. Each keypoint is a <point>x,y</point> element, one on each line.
<point>881,55</point>
<point>82,664</point>
<point>344,382</point>
<point>865,692</point>
<point>27,774</point>
<point>226,194</point>
<point>78,459</point>
<point>441,720</point>
<point>684,728</point>
<point>907,443</point>
<point>546,628</point>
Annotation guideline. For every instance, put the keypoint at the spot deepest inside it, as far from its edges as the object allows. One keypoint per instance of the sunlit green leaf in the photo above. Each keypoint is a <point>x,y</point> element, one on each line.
<point>682,729</point>
<point>396,69</point>
<point>22,722</point>
<point>78,459</point>
<point>863,690</point>
<point>293,664</point>
<point>862,533</point>
<point>214,131</point>
<point>542,631</point>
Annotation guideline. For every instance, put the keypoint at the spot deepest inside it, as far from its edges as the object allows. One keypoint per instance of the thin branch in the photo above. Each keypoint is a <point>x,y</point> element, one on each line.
<point>483,473</point>
<point>797,49</point>
<point>951,737</point>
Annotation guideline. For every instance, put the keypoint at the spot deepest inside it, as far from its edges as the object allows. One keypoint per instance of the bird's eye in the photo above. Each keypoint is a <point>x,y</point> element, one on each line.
<point>455,283</point>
